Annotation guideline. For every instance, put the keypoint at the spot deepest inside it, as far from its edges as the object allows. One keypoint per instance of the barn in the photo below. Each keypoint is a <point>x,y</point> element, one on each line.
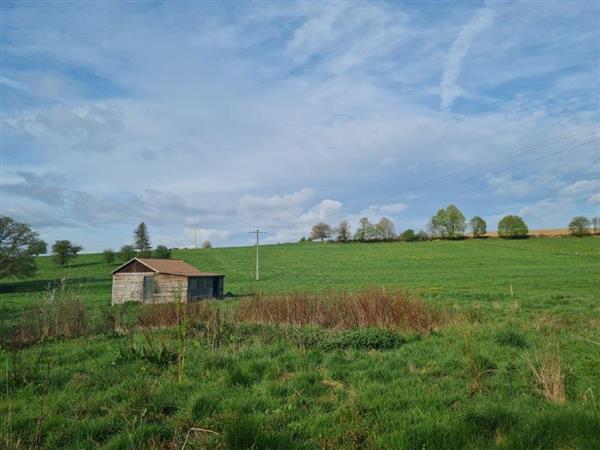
<point>147,280</point>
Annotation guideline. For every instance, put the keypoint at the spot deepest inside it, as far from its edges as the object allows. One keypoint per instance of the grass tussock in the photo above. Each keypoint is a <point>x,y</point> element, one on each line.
<point>549,375</point>
<point>342,310</point>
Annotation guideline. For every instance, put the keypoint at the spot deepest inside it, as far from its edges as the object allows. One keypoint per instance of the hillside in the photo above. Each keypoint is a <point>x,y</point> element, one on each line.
<point>469,367</point>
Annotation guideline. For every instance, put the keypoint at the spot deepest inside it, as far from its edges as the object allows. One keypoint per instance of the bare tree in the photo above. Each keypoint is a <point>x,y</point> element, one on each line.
<point>321,231</point>
<point>343,231</point>
<point>387,230</point>
<point>206,244</point>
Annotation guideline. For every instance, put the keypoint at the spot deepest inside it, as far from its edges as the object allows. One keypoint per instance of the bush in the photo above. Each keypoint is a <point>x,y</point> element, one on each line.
<point>162,252</point>
<point>109,256</point>
<point>512,227</point>
<point>363,338</point>
<point>579,226</point>
<point>408,235</point>
<point>511,338</point>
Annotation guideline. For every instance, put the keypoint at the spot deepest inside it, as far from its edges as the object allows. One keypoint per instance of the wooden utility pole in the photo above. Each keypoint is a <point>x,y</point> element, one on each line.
<point>195,236</point>
<point>258,233</point>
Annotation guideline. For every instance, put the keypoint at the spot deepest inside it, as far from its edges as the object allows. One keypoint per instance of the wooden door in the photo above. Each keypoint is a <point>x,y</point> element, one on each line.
<point>148,288</point>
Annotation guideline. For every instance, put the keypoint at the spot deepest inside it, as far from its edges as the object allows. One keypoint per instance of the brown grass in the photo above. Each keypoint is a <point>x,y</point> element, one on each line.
<point>548,375</point>
<point>343,310</point>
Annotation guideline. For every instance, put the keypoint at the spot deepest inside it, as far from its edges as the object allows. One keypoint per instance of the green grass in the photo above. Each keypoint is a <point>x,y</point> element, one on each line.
<point>469,385</point>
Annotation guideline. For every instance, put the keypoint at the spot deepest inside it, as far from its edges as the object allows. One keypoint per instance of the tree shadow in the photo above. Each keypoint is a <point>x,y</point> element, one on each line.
<point>42,285</point>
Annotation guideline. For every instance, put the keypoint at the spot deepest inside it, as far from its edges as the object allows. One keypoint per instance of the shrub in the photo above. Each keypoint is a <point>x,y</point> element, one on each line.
<point>408,235</point>
<point>512,227</point>
<point>368,308</point>
<point>363,338</point>
<point>162,252</point>
<point>127,252</point>
<point>109,256</point>
<point>579,226</point>
<point>511,338</point>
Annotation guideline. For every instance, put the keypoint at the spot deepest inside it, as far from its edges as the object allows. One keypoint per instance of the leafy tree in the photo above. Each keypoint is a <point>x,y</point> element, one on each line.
<point>342,231</point>
<point>448,223</point>
<point>321,231</point>
<point>363,230</point>
<point>64,251</point>
<point>141,238</point>
<point>512,227</point>
<point>162,252</point>
<point>302,240</point>
<point>422,236</point>
<point>478,227</point>
<point>579,226</point>
<point>127,252</point>
<point>387,230</point>
<point>206,244</point>
<point>408,235</point>
<point>18,248</point>
<point>109,256</point>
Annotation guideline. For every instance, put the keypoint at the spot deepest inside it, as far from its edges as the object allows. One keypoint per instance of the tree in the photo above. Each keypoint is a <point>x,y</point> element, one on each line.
<point>206,244</point>
<point>342,231</point>
<point>302,240</point>
<point>127,252</point>
<point>579,226</point>
<point>408,235</point>
<point>448,223</point>
<point>109,256</point>
<point>478,227</point>
<point>142,238</point>
<point>321,231</point>
<point>422,236</point>
<point>363,229</point>
<point>386,230</point>
<point>162,252</point>
<point>512,227</point>
<point>64,251</point>
<point>18,247</point>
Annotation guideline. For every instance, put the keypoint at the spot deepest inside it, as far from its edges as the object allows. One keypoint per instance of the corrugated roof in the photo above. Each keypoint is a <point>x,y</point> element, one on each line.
<point>171,267</point>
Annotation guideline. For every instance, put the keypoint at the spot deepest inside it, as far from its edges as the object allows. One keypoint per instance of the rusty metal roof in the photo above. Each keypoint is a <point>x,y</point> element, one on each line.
<point>171,267</point>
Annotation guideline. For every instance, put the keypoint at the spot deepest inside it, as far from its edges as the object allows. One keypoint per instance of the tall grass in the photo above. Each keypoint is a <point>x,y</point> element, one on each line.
<point>549,375</point>
<point>343,310</point>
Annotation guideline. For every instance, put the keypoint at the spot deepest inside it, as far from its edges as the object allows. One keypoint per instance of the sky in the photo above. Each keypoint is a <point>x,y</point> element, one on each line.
<point>225,117</point>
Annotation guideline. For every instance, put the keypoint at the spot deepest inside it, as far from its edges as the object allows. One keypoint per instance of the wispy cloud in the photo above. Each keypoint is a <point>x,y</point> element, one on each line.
<point>449,88</point>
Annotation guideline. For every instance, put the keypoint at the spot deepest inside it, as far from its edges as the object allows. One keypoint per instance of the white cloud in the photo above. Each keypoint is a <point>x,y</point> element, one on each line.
<point>449,89</point>
<point>594,199</point>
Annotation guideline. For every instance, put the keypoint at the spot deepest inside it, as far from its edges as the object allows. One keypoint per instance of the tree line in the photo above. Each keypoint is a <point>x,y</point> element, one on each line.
<point>448,223</point>
<point>141,248</point>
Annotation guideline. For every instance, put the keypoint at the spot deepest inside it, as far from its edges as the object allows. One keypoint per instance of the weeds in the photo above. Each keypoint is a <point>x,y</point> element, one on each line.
<point>343,310</point>
<point>549,375</point>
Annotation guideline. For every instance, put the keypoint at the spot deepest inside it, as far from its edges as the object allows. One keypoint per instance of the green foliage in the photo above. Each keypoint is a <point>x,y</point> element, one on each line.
<point>579,226</point>
<point>478,227</point>
<point>448,223</point>
<point>363,338</point>
<point>18,246</point>
<point>64,252</point>
<point>141,238</point>
<point>408,235</point>
<point>206,244</point>
<point>342,232</point>
<point>109,256</point>
<point>511,338</point>
<point>162,252</point>
<point>127,252</point>
<point>512,227</point>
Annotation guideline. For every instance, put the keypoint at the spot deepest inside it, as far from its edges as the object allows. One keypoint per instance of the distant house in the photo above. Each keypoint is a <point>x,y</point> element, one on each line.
<point>160,280</point>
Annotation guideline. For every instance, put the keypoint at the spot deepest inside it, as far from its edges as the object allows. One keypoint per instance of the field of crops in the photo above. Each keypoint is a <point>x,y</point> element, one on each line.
<point>510,358</point>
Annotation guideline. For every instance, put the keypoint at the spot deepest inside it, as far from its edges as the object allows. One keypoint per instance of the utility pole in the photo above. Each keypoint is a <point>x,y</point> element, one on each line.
<point>195,236</point>
<point>258,233</point>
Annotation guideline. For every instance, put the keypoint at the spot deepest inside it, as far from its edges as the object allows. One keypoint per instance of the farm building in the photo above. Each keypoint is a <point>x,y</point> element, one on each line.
<point>158,280</point>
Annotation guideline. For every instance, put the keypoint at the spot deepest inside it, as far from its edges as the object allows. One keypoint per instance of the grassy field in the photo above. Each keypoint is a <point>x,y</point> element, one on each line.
<point>520,371</point>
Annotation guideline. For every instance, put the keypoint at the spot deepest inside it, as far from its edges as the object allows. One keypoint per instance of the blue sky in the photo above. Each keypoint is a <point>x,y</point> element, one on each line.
<point>276,115</point>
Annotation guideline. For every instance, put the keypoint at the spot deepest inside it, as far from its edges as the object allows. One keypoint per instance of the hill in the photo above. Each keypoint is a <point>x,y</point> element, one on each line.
<point>488,370</point>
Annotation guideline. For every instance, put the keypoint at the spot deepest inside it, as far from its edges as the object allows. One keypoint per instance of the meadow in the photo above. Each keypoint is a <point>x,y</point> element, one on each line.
<point>512,359</point>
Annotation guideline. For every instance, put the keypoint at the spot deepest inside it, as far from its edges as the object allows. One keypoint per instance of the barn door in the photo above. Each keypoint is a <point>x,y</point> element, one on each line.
<point>148,288</point>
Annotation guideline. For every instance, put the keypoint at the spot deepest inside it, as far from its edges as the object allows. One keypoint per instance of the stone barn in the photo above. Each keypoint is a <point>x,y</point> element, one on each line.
<point>147,280</point>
